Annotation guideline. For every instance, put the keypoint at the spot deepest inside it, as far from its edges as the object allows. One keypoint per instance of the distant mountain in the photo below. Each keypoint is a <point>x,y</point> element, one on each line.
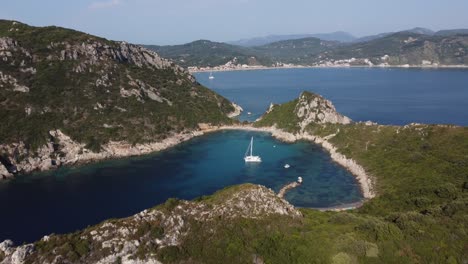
<point>452,32</point>
<point>296,50</point>
<point>259,41</point>
<point>372,37</point>
<point>400,49</point>
<point>416,30</point>
<point>420,30</point>
<point>208,53</point>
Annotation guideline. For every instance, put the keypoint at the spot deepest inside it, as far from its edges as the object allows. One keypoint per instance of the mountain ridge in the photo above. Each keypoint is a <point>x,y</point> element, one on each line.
<point>260,41</point>
<point>429,49</point>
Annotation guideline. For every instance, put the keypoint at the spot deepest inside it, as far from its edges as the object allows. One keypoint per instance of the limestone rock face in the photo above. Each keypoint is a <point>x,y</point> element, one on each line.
<point>66,151</point>
<point>237,110</point>
<point>4,173</point>
<point>15,255</point>
<point>120,240</point>
<point>312,108</point>
<point>95,52</point>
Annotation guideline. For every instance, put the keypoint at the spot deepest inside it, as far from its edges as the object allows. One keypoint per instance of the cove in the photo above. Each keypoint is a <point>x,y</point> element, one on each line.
<point>72,198</point>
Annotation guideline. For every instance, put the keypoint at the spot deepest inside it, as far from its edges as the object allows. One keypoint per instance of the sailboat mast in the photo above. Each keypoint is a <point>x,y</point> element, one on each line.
<point>251,146</point>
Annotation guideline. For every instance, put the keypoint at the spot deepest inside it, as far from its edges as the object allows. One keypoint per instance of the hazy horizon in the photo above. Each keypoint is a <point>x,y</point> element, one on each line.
<point>181,21</point>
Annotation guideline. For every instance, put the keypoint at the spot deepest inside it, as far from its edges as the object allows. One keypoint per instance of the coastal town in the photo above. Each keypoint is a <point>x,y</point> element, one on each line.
<point>233,65</point>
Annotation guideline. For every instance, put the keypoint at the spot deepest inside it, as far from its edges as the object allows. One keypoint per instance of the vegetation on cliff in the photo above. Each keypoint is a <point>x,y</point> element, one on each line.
<point>94,90</point>
<point>389,49</point>
<point>207,53</point>
<point>421,177</point>
<point>419,215</point>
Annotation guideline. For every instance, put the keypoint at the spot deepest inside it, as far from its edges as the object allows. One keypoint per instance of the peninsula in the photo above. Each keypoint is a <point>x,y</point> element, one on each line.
<point>416,211</point>
<point>68,97</point>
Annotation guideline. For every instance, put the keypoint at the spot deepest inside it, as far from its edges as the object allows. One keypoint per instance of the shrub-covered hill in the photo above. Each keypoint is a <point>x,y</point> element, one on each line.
<point>204,53</point>
<point>389,49</point>
<point>420,175</point>
<point>400,49</point>
<point>94,90</point>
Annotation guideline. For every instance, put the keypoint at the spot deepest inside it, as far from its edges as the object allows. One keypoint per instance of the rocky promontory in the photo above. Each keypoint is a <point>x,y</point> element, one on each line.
<point>143,237</point>
<point>295,120</point>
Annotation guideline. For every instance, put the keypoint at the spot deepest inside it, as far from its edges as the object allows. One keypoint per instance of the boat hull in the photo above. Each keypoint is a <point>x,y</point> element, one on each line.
<point>252,159</point>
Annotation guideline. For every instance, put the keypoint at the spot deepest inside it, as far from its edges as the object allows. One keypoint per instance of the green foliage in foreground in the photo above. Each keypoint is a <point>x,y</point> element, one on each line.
<point>421,176</point>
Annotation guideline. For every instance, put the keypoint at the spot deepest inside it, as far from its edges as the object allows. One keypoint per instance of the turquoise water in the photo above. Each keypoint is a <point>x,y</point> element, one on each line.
<point>383,95</point>
<point>72,198</point>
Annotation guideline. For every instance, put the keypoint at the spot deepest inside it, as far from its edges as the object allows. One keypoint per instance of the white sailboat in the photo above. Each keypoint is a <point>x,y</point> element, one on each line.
<point>248,157</point>
<point>211,76</point>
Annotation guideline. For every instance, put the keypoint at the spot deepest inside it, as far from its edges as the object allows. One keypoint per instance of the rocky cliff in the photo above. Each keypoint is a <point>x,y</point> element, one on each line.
<point>313,108</point>
<point>59,86</point>
<point>296,115</point>
<point>144,237</point>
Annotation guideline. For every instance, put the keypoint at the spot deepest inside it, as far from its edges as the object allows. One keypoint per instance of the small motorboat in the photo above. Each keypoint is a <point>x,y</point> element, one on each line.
<point>287,166</point>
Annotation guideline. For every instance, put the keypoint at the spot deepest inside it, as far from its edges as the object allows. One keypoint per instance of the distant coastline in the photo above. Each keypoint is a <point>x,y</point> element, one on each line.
<point>252,68</point>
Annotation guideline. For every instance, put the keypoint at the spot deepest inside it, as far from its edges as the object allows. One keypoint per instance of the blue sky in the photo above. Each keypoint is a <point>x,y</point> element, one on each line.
<point>180,21</point>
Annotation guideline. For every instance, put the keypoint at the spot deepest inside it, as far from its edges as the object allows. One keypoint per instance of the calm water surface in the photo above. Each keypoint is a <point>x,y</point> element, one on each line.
<point>72,198</point>
<point>387,96</point>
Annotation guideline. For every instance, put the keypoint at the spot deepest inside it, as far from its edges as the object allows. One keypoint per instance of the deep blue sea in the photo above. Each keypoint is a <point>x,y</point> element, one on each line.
<point>383,95</point>
<point>68,199</point>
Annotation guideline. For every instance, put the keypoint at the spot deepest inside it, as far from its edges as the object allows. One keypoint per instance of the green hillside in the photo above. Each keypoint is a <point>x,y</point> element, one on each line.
<point>94,90</point>
<point>406,47</point>
<point>204,53</point>
<point>418,216</point>
<point>295,51</point>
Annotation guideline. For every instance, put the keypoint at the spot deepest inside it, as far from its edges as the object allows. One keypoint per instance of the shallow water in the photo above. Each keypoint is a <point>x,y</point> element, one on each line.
<point>72,198</point>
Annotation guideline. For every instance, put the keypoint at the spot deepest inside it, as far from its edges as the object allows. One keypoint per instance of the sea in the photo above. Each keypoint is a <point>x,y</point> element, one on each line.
<point>71,198</point>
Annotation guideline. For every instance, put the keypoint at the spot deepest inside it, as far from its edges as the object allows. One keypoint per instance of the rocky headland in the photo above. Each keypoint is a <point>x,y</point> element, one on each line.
<point>67,97</point>
<point>141,237</point>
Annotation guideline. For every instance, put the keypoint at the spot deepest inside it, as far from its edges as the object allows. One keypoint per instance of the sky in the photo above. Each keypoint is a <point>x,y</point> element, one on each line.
<point>180,21</point>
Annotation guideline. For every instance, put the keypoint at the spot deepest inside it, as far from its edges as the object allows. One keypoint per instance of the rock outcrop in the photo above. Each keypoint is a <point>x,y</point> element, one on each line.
<point>62,150</point>
<point>237,110</point>
<point>4,173</point>
<point>151,230</point>
<point>313,108</point>
<point>14,255</point>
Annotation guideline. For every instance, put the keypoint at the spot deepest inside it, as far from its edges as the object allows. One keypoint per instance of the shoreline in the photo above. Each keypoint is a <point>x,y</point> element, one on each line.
<point>335,67</point>
<point>365,181</point>
<point>116,150</point>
